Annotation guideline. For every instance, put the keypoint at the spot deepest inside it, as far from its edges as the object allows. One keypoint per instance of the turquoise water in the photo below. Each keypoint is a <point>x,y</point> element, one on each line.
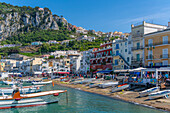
<point>83,102</point>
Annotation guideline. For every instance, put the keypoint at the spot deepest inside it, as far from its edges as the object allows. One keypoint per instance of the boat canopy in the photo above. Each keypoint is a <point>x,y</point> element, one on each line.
<point>63,72</point>
<point>104,71</point>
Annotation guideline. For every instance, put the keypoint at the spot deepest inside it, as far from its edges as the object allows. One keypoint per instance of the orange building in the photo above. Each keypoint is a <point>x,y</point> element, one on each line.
<point>157,48</point>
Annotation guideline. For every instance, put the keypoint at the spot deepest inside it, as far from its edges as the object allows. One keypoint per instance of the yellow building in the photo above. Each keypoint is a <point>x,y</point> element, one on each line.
<point>157,48</point>
<point>2,66</point>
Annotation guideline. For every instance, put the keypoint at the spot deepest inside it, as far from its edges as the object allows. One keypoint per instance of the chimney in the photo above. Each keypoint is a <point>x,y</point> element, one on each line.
<point>168,24</point>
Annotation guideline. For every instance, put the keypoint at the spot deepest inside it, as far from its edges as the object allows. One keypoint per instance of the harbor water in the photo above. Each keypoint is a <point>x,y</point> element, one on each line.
<point>83,102</point>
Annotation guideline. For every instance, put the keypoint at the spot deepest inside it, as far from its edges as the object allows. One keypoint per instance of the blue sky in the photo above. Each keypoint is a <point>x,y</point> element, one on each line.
<point>105,15</point>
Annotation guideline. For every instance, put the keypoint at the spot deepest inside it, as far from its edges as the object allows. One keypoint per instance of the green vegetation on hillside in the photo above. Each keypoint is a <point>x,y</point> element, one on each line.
<point>37,34</point>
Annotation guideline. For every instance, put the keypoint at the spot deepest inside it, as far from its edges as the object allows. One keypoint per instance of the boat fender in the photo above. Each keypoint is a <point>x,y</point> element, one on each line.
<point>38,88</point>
<point>56,94</point>
<point>17,99</point>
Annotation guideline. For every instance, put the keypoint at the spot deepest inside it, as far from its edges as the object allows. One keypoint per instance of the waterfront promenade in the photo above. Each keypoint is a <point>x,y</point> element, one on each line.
<point>128,96</point>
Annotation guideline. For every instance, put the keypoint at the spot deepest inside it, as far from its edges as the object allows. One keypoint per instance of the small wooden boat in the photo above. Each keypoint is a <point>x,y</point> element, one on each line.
<point>29,100</point>
<point>159,94</point>
<point>41,83</point>
<point>120,88</point>
<point>108,84</point>
<point>149,91</point>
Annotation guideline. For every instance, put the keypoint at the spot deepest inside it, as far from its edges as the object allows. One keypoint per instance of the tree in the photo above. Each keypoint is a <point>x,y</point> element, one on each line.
<point>51,57</point>
<point>44,48</point>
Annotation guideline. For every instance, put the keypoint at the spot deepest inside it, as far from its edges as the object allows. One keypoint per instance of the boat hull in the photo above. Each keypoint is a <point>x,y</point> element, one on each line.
<point>37,101</point>
<point>22,91</point>
<point>41,83</point>
<point>149,91</point>
<point>120,88</point>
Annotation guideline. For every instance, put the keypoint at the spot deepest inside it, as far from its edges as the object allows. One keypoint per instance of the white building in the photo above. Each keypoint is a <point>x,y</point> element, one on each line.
<point>85,62</point>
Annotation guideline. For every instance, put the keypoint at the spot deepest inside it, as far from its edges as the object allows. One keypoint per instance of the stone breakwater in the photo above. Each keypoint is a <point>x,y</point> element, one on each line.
<point>128,96</point>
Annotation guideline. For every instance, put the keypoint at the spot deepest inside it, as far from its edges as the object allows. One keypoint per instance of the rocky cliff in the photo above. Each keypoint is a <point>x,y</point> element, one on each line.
<point>13,21</point>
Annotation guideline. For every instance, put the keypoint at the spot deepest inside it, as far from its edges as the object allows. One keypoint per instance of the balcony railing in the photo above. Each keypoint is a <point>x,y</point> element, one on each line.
<point>136,59</point>
<point>164,56</point>
<point>157,43</point>
<point>150,57</point>
<point>137,48</point>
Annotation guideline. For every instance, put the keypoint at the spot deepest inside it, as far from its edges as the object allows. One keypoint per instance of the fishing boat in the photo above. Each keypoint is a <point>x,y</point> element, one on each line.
<point>120,88</point>
<point>149,91</point>
<point>159,94</point>
<point>18,100</point>
<point>41,83</point>
<point>23,90</point>
<point>108,84</point>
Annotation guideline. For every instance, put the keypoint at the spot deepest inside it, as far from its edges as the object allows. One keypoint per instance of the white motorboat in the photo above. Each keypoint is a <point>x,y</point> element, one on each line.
<point>23,90</point>
<point>41,83</point>
<point>159,94</point>
<point>29,100</point>
<point>10,82</point>
<point>108,84</point>
<point>149,91</point>
<point>120,88</point>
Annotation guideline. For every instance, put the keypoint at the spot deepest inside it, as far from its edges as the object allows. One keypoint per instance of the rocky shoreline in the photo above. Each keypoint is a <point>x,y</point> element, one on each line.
<point>128,96</point>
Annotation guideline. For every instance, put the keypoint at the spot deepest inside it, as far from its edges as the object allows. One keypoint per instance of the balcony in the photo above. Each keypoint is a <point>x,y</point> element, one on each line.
<point>150,57</point>
<point>137,48</point>
<point>158,43</point>
<point>164,56</point>
<point>136,61</point>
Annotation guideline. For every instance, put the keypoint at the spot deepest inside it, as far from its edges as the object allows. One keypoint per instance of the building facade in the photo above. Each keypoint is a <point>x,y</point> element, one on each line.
<point>157,49</point>
<point>101,58</point>
<point>137,39</point>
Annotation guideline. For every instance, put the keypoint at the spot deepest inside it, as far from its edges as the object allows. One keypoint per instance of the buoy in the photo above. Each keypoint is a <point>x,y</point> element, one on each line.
<point>38,88</point>
<point>55,94</point>
<point>17,99</point>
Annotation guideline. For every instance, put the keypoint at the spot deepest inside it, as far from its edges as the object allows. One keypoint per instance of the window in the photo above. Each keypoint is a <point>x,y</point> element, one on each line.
<point>117,46</point>
<point>138,57</point>
<point>138,45</point>
<point>165,53</point>
<point>165,40</point>
<point>111,52</point>
<point>165,62</point>
<point>116,62</point>
<point>117,52</point>
<point>104,53</point>
<point>150,42</point>
<point>125,50</point>
<point>125,43</point>
<point>128,59</point>
<point>150,54</point>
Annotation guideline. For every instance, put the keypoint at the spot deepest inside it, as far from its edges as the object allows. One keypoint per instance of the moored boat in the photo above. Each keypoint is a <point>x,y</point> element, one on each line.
<point>159,94</point>
<point>148,91</point>
<point>108,84</point>
<point>28,100</point>
<point>120,87</point>
<point>10,82</point>
<point>23,90</point>
<point>41,83</point>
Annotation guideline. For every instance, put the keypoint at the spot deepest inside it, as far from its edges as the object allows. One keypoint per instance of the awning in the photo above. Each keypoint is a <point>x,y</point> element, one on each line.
<point>95,72</point>
<point>104,71</point>
<point>63,72</point>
